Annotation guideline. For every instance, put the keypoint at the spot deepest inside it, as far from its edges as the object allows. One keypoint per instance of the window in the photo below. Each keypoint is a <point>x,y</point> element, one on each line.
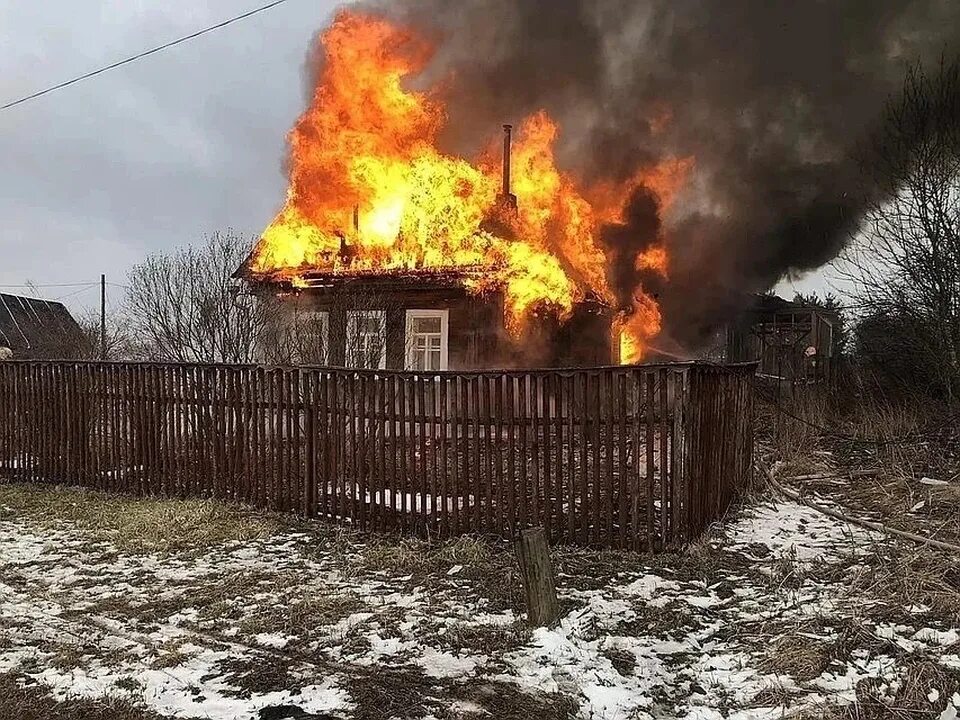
<point>310,342</point>
<point>426,339</point>
<point>366,339</point>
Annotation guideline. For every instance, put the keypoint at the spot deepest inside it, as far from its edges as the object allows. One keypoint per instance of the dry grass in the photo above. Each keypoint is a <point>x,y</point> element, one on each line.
<point>301,615</point>
<point>254,676</point>
<point>21,699</point>
<point>485,639</point>
<point>137,525</point>
<point>797,655</point>
<point>486,564</point>
<point>911,698</point>
<point>903,575</point>
<point>911,445</point>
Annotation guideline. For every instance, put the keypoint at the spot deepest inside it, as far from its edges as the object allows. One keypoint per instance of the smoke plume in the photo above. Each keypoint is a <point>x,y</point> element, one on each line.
<point>772,99</point>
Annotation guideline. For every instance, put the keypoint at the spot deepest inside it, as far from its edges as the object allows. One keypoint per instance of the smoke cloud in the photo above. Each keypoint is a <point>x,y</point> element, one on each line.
<point>773,99</point>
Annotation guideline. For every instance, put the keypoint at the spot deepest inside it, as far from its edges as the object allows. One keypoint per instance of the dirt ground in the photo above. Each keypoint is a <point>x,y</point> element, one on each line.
<point>118,609</point>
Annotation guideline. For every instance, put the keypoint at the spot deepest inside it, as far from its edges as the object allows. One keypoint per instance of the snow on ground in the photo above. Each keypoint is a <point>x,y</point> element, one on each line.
<point>292,622</point>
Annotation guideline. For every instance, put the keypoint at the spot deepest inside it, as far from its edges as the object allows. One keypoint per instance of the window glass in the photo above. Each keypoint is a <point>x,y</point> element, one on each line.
<point>426,339</point>
<point>366,339</point>
<point>427,325</point>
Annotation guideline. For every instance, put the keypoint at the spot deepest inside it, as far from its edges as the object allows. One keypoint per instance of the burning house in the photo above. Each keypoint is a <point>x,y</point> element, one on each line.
<point>433,317</point>
<point>391,253</point>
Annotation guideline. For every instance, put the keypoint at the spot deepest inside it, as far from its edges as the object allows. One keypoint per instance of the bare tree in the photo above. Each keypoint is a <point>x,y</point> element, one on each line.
<point>906,262</point>
<point>119,345</point>
<point>187,307</point>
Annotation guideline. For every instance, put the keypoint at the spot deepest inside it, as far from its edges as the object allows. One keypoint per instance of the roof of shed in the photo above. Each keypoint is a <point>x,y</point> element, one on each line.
<point>32,327</point>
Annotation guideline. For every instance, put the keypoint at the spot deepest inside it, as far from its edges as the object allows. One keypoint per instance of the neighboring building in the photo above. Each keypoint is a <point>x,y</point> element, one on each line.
<point>789,340</point>
<point>33,328</point>
<point>424,320</point>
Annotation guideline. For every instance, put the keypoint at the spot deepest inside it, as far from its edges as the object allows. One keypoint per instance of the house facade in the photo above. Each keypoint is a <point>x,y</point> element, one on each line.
<point>422,320</point>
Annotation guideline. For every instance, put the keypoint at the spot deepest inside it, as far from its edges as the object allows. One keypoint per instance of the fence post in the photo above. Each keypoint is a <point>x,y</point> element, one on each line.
<point>536,574</point>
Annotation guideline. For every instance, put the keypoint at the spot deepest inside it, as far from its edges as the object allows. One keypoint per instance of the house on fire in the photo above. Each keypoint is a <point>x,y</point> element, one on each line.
<point>420,318</point>
<point>34,328</point>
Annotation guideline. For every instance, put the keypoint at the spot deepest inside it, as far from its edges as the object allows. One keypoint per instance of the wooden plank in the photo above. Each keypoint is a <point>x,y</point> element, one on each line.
<point>255,417</point>
<point>623,484</point>
<point>567,383</point>
<point>423,474</point>
<point>286,447</point>
<point>446,504</point>
<point>379,474</point>
<point>234,436</point>
<point>476,468</point>
<point>536,448</point>
<point>322,440</point>
<point>308,387</point>
<point>635,393</point>
<point>353,454</point>
<point>431,455</point>
<point>457,405</point>
<point>595,399</point>
<point>607,443</point>
<point>361,420</point>
<point>552,453</point>
<point>527,512</point>
<point>139,423</point>
<point>510,480</point>
<point>407,436</point>
<point>650,425</point>
<point>393,474</point>
<point>337,430</point>
<point>663,430</point>
<point>271,441</point>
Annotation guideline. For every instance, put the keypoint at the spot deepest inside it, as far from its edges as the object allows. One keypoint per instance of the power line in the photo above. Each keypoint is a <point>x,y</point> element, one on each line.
<point>30,286</point>
<point>141,55</point>
<point>75,292</point>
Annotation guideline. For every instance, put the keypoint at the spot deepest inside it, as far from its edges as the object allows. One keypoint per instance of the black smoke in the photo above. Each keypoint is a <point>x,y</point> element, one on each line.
<point>638,229</point>
<point>772,98</point>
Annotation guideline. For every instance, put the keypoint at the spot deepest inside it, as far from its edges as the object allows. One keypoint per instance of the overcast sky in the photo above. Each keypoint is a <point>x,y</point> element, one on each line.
<point>151,155</point>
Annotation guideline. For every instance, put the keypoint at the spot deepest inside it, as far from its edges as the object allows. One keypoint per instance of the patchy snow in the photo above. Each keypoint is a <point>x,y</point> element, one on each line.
<point>790,529</point>
<point>181,634</point>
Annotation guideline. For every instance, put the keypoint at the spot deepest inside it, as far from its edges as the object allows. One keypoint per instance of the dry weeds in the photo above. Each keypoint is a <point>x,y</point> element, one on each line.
<point>485,639</point>
<point>23,699</point>
<point>138,525</point>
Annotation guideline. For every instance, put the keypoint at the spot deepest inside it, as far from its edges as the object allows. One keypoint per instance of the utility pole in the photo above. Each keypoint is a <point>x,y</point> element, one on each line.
<point>103,317</point>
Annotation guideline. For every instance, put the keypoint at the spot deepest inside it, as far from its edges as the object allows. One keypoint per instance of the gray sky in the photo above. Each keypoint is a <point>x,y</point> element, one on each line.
<point>151,155</point>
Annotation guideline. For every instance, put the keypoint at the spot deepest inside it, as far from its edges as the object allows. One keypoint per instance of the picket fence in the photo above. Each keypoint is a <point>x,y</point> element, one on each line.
<point>638,457</point>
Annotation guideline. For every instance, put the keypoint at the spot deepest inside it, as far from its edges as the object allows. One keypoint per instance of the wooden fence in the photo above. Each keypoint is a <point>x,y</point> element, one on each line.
<point>629,457</point>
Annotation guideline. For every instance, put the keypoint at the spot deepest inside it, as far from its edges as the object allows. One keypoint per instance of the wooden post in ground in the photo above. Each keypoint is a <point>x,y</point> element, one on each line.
<point>536,574</point>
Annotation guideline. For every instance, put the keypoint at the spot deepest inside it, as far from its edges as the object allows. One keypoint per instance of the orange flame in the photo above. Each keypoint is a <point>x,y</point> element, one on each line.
<point>368,144</point>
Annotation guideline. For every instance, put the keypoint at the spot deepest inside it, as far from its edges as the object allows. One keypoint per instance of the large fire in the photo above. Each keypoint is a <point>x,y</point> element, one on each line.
<point>366,174</point>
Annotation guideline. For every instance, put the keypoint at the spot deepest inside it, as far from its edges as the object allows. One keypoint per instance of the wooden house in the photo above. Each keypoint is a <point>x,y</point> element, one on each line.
<point>422,320</point>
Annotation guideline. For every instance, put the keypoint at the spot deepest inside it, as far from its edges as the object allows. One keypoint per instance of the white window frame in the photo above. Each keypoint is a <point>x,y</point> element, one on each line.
<point>444,316</point>
<point>352,317</point>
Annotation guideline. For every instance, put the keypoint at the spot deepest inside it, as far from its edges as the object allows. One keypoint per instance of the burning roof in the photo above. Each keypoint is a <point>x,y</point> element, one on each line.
<point>371,192</point>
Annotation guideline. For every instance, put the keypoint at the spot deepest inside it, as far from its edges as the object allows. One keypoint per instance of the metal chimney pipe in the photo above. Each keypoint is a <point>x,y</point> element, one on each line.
<point>507,129</point>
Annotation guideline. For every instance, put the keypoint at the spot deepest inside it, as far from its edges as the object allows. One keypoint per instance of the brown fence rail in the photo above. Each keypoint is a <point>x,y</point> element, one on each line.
<point>629,457</point>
